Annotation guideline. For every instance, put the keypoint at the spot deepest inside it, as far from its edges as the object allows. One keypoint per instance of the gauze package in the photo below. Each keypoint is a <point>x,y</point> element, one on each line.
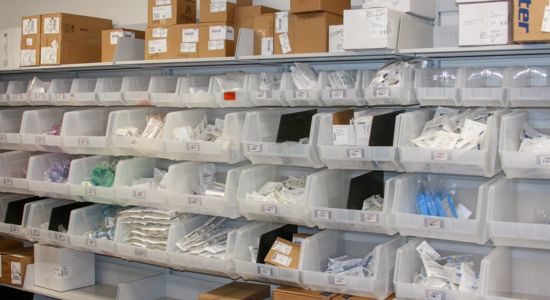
<point>304,76</point>
<point>342,80</point>
<point>533,141</point>
<point>393,74</point>
<point>201,132</point>
<point>288,191</point>
<point>155,126</point>
<point>358,267</point>
<point>436,197</point>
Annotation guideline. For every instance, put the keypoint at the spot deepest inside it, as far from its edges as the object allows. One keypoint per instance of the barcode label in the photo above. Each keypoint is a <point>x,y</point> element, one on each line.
<point>340,281</point>
<point>269,209</point>
<point>434,223</point>
<point>435,295</point>
<point>193,147</point>
<point>323,214</point>
<point>34,232</point>
<point>140,252</point>
<point>441,156</point>
<point>14,229</point>
<point>254,148</point>
<point>139,194</point>
<point>369,217</point>
<point>264,95</point>
<point>91,243</point>
<point>61,272</point>
<point>265,271</point>
<point>338,94</point>
<point>355,153</point>
<point>39,139</point>
<point>8,181</point>
<point>60,237</point>
<point>301,94</point>
<point>194,201</point>
<point>382,93</point>
<point>544,160</point>
<point>83,141</point>
<point>90,191</point>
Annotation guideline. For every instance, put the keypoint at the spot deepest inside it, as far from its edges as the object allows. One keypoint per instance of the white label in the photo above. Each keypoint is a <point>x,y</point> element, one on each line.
<point>140,252</point>
<point>265,271</point>
<point>340,281</point>
<point>337,94</point>
<point>193,147</point>
<point>355,153</point>
<point>30,26</point>
<point>110,222</point>
<point>267,46</point>
<point>115,35</point>
<point>60,237</point>
<point>301,94</point>
<point>263,95</point>
<point>59,97</point>
<point>546,20</point>
<point>28,57</point>
<point>83,141</point>
<point>544,160</point>
<point>433,223</point>
<point>218,6</point>
<point>285,43</point>
<point>39,139</point>
<point>282,259</point>
<point>28,42</point>
<point>158,46</point>
<point>435,295</point>
<point>190,35</point>
<point>216,45</point>
<point>269,209</point>
<point>34,232</point>
<point>188,47</point>
<point>51,25</point>
<point>14,229</point>
<point>139,194</point>
<point>425,249</point>
<point>90,191</point>
<point>281,22</point>
<point>91,243</point>
<point>48,55</point>
<point>160,33</point>
<point>221,33</point>
<point>282,248</point>
<point>463,212</point>
<point>15,268</point>
<point>194,201</point>
<point>8,181</point>
<point>441,156</point>
<point>163,2</point>
<point>369,217</point>
<point>254,148</point>
<point>162,12</point>
<point>377,23</point>
<point>382,92</point>
<point>61,272</point>
<point>323,214</point>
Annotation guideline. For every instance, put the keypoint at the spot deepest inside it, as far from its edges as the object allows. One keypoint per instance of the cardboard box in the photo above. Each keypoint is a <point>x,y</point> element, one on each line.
<point>245,16</point>
<point>216,40</point>
<point>307,33</point>
<point>379,28</point>
<point>71,39</point>
<point>264,31</point>
<point>171,12</point>
<point>212,11</point>
<point>424,9</point>
<point>238,291</point>
<point>336,39</point>
<point>284,254</point>
<point>484,24</point>
<point>10,42</point>
<point>177,41</point>
<point>14,266</point>
<point>290,293</point>
<point>7,246</point>
<point>109,41</point>
<point>30,41</point>
<point>63,269</point>
<point>529,22</point>
<point>307,6</point>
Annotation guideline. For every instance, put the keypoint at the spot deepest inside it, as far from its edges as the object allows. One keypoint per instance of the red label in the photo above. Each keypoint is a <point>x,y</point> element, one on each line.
<point>230,96</point>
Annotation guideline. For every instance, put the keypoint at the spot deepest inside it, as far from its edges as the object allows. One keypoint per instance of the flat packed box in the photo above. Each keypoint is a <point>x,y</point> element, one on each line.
<point>483,24</point>
<point>14,266</point>
<point>63,269</point>
<point>71,39</point>
<point>220,10</point>
<point>530,25</point>
<point>109,41</point>
<point>238,291</point>
<point>336,39</point>
<point>177,41</point>
<point>379,28</point>
<point>216,40</point>
<point>245,15</point>
<point>307,6</point>
<point>264,32</point>
<point>30,41</point>
<point>10,43</point>
<point>291,293</point>
<point>171,12</point>
<point>425,8</point>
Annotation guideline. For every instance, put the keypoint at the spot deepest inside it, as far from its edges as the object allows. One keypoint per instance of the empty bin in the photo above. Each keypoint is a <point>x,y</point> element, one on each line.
<point>195,91</point>
<point>296,96</point>
<point>36,220</point>
<point>17,92</point>
<point>389,93</point>
<point>483,87</point>
<point>266,89</point>
<point>84,131</point>
<point>41,178</point>
<point>343,88</point>
<point>164,91</point>
<point>11,214</point>
<point>135,90</point>
<point>528,86</point>
<point>83,92</point>
<point>231,90</point>
<point>41,129</point>
<point>438,87</point>
<point>109,91</point>
<point>59,91</point>
<point>10,126</point>
<point>13,171</point>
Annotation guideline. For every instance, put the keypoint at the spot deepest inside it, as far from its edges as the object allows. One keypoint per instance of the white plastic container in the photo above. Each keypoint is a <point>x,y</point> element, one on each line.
<point>400,94</point>
<point>109,91</point>
<point>319,248</point>
<point>470,192</point>
<point>359,157</point>
<point>17,92</point>
<point>323,188</point>
<point>260,136</point>
<point>84,131</point>
<point>82,222</point>
<point>135,90</point>
<point>83,92</point>
<point>229,151</point>
<point>343,97</point>
<point>12,230</point>
<point>195,91</point>
<point>408,263</point>
<point>337,216</point>
<point>438,87</point>
<point>523,164</point>
<point>36,123</point>
<point>295,97</point>
<point>36,219</point>
<point>13,171</point>
<point>3,93</point>
<point>484,162</point>
<point>231,90</point>
<point>37,180</point>
<point>164,91</point>
<point>273,97</point>
<point>10,126</point>
<point>528,86</point>
<point>38,92</point>
<point>59,91</point>
<point>483,87</point>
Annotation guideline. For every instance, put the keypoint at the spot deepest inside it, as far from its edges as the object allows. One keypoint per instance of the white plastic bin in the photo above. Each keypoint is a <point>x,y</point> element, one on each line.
<point>38,92</point>
<point>323,188</point>
<point>343,97</point>
<point>37,180</point>
<point>438,87</point>
<point>523,164</point>
<point>13,171</point>
<point>164,91</point>
<point>295,97</point>
<point>109,91</point>
<point>10,126</point>
<point>337,216</point>
<point>36,219</point>
<point>81,223</point>
<point>470,191</point>
<point>195,91</point>
<point>528,86</point>
<point>12,230</point>
<point>135,90</point>
<point>260,136</point>
<point>231,90</point>
<point>83,92</point>
<point>408,264</point>
<point>319,248</point>
<point>484,162</point>
<point>17,92</point>
<point>184,180</point>
<point>36,123</point>
<point>400,94</point>
<point>228,151</point>
<point>3,93</point>
<point>84,131</point>
<point>483,87</point>
<point>273,97</point>
<point>59,91</point>
<point>517,213</point>
<point>358,157</point>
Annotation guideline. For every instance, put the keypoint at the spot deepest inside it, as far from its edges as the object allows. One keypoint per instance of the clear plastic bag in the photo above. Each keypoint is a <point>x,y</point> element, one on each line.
<point>230,82</point>
<point>437,198</point>
<point>392,74</point>
<point>270,81</point>
<point>533,141</point>
<point>304,76</point>
<point>342,79</point>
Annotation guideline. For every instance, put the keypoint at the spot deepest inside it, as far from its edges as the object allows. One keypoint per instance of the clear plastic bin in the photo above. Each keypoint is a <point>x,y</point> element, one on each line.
<point>484,162</point>
<point>164,91</point>
<point>38,92</point>
<point>343,97</point>
<point>523,164</point>
<point>323,188</point>
<point>470,192</point>
<point>36,219</point>
<point>38,181</point>
<point>408,264</point>
<point>295,97</point>
<point>185,179</point>
<point>359,157</point>
<point>11,230</point>
<point>84,131</point>
<point>483,87</point>
<point>273,97</point>
<point>231,90</point>
<point>83,92</point>
<point>438,87</point>
<point>135,90</point>
<point>226,152</point>
<point>337,216</point>
<point>34,126</point>
<point>515,273</point>
<point>3,93</point>
<point>82,222</point>
<point>517,213</point>
<point>17,92</point>
<point>109,91</point>
<point>260,136</point>
<point>400,94</point>
<point>13,171</point>
<point>331,243</point>
<point>528,86</point>
<point>59,91</point>
<point>10,126</point>
<point>195,91</point>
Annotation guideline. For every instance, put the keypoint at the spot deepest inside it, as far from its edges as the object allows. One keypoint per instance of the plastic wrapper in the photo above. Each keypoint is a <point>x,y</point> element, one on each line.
<point>533,141</point>
<point>270,81</point>
<point>437,198</point>
<point>230,82</point>
<point>208,240</point>
<point>103,174</point>
<point>304,76</point>
<point>374,203</point>
<point>289,191</point>
<point>127,131</point>
<point>358,267</point>
<point>37,86</point>
<point>105,230</point>
<point>392,74</point>
<point>58,171</point>
<point>202,132</point>
<point>342,79</point>
<point>155,126</point>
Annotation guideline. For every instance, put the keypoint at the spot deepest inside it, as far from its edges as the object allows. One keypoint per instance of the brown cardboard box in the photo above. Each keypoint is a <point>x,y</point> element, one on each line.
<point>216,40</point>
<point>30,41</point>
<point>284,253</point>
<point>349,297</point>
<point>245,16</point>
<point>14,266</point>
<point>290,293</point>
<point>171,12</point>
<point>332,6</point>
<point>70,39</point>
<point>167,42</point>
<point>109,41</point>
<point>238,291</point>
<point>212,11</point>
<point>284,36</point>
<point>528,21</point>
<point>264,28</point>
<point>7,245</point>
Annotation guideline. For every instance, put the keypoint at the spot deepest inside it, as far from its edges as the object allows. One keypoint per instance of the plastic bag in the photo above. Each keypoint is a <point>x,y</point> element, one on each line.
<point>303,76</point>
<point>392,74</point>
<point>230,82</point>
<point>342,79</point>
<point>270,81</point>
<point>437,198</point>
<point>533,141</point>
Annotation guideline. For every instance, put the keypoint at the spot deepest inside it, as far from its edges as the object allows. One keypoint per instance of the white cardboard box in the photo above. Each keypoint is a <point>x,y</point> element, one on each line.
<point>336,38</point>
<point>10,47</point>
<point>485,23</point>
<point>378,28</point>
<point>422,8</point>
<point>63,269</point>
